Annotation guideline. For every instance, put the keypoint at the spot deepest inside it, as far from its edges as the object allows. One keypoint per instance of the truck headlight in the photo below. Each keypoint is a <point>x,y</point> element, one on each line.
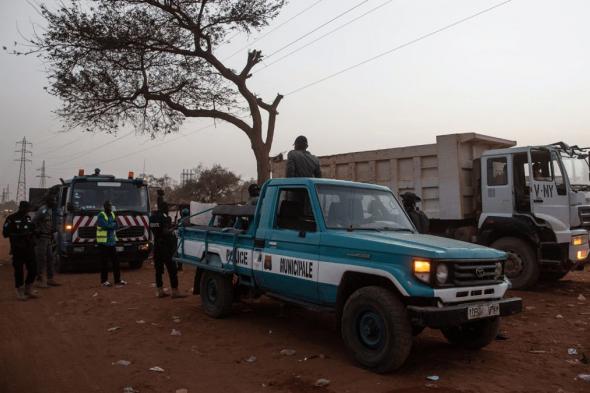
<point>499,270</point>
<point>442,273</point>
<point>578,240</point>
<point>421,269</point>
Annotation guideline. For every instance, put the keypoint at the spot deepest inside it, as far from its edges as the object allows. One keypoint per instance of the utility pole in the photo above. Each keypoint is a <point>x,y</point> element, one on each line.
<point>21,188</point>
<point>4,197</point>
<point>43,176</point>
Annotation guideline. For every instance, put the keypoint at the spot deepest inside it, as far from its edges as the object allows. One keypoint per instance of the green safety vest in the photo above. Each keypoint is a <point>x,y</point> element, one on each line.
<point>101,233</point>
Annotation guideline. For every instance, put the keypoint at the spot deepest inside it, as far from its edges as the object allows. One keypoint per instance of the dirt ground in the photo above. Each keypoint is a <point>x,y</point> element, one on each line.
<point>62,343</point>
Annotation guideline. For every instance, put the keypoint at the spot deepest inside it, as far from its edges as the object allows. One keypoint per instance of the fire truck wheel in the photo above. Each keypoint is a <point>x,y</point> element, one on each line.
<point>137,264</point>
<point>217,294</point>
<point>473,335</point>
<point>376,329</point>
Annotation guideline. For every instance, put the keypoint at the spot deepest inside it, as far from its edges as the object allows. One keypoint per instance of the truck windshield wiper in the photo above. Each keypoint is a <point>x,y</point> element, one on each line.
<point>397,229</point>
<point>353,228</point>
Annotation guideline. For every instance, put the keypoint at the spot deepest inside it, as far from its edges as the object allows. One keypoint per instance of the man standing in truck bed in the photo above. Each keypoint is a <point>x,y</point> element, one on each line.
<point>300,162</point>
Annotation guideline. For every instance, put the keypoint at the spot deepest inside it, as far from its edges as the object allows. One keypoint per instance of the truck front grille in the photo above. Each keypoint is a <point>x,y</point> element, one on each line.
<point>474,273</point>
<point>584,213</point>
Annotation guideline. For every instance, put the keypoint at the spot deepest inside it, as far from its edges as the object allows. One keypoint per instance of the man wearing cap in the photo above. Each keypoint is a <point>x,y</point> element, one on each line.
<point>19,228</point>
<point>300,162</point>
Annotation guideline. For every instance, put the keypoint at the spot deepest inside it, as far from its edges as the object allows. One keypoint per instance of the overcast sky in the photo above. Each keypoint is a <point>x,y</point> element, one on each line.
<point>521,71</point>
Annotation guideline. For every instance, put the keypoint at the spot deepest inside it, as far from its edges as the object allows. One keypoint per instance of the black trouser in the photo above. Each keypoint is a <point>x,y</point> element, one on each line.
<point>20,259</point>
<point>163,257</point>
<point>109,254</point>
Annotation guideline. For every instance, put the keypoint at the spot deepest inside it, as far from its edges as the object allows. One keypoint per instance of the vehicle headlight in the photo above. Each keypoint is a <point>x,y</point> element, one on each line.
<point>421,269</point>
<point>442,273</point>
<point>578,240</point>
<point>499,270</point>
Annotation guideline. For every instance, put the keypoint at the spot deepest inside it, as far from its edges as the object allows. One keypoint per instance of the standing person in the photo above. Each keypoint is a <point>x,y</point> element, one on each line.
<point>44,231</point>
<point>300,162</point>
<point>106,240</point>
<point>19,228</point>
<point>164,248</point>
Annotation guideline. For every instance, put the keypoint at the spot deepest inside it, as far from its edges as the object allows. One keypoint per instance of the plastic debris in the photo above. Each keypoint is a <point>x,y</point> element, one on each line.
<point>175,332</point>
<point>141,322</point>
<point>270,332</point>
<point>129,389</point>
<point>95,294</point>
<point>176,320</point>
<point>584,377</point>
<point>559,316</point>
<point>581,297</point>
<point>157,369</point>
<point>250,359</point>
<point>114,302</point>
<point>537,351</point>
<point>287,352</point>
<point>433,378</point>
<point>112,329</point>
<point>182,390</point>
<point>572,351</point>
<point>322,382</point>
<point>123,363</point>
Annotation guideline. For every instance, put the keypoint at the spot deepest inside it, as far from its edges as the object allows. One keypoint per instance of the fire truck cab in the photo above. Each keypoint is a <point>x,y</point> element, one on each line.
<point>80,199</point>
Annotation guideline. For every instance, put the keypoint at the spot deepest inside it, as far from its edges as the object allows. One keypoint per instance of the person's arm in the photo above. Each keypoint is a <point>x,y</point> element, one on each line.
<point>6,228</point>
<point>317,172</point>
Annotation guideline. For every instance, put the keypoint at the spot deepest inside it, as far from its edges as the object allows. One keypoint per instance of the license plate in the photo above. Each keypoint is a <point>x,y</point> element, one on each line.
<point>120,248</point>
<point>483,310</point>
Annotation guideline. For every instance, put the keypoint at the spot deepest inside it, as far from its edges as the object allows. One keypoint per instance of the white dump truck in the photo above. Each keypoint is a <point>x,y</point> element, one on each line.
<point>532,202</point>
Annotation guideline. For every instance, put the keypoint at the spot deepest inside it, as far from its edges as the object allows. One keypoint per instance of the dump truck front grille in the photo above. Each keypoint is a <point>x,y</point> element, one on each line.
<point>584,213</point>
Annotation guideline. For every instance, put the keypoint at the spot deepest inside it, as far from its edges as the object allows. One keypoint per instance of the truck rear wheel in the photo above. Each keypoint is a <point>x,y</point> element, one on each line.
<point>217,294</point>
<point>473,335</point>
<point>521,267</point>
<point>376,329</point>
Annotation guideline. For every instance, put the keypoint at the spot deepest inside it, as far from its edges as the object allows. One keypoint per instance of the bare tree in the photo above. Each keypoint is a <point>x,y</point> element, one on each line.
<point>151,63</point>
<point>215,184</point>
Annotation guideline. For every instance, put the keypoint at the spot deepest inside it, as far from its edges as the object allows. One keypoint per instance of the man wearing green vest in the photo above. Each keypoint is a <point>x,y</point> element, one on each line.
<point>106,240</point>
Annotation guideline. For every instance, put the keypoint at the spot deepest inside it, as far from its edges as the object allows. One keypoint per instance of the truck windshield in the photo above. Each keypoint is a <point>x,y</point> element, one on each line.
<point>361,208</point>
<point>91,195</point>
<point>577,170</point>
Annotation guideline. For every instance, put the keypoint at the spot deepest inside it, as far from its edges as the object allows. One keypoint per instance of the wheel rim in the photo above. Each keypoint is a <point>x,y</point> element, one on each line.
<point>211,291</point>
<point>371,329</point>
<point>514,264</point>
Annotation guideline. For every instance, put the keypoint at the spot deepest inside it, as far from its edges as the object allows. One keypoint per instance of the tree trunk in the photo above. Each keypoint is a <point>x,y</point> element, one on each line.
<point>262,161</point>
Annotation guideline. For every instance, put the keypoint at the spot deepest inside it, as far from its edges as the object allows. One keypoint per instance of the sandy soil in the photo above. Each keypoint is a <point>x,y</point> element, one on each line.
<point>62,343</point>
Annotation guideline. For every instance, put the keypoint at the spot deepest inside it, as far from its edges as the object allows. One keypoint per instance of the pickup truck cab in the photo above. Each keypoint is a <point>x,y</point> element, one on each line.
<point>350,248</point>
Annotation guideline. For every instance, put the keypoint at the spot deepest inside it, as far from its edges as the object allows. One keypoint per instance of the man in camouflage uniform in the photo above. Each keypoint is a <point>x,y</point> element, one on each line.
<point>44,231</point>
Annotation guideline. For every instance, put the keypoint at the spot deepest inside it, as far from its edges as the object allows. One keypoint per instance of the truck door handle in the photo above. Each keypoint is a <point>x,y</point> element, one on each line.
<point>272,244</point>
<point>538,200</point>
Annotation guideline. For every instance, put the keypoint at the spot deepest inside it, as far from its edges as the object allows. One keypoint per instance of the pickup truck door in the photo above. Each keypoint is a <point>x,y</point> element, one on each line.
<point>287,258</point>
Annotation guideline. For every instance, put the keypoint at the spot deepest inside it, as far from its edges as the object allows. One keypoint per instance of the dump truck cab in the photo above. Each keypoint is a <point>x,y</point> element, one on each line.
<point>80,199</point>
<point>539,198</point>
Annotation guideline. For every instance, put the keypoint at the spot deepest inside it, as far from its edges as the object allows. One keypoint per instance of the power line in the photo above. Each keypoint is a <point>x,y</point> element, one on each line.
<point>59,147</point>
<point>21,188</point>
<point>83,153</point>
<point>316,29</point>
<point>271,30</point>
<point>324,36</point>
<point>422,37</point>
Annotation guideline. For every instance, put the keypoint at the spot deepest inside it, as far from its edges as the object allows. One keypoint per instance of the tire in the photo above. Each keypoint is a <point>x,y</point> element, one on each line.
<point>473,335</point>
<point>521,267</point>
<point>376,329</point>
<point>217,294</point>
<point>553,276</point>
<point>137,264</point>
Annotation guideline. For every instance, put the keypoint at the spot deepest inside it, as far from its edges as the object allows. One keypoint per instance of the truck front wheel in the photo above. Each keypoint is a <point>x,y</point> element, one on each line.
<point>473,335</point>
<point>376,329</point>
<point>217,294</point>
<point>521,267</point>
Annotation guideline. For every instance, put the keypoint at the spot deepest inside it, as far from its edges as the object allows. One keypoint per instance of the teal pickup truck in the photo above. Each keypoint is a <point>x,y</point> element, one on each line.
<point>350,248</point>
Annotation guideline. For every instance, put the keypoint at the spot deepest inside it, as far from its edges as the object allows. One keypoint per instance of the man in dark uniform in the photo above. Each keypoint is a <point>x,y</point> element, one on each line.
<point>44,231</point>
<point>300,162</point>
<point>164,249</point>
<point>19,228</point>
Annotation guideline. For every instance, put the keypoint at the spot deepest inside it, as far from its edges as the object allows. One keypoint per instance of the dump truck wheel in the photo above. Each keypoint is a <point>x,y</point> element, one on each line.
<point>521,267</point>
<point>217,294</point>
<point>473,335</point>
<point>376,329</point>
